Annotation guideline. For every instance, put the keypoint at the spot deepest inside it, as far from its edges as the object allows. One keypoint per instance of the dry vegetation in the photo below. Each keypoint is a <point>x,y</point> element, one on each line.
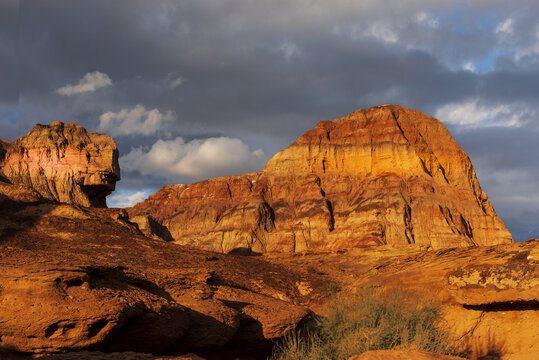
<point>370,320</point>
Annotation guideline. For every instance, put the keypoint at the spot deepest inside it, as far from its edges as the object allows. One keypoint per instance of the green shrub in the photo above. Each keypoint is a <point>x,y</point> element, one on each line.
<point>370,320</point>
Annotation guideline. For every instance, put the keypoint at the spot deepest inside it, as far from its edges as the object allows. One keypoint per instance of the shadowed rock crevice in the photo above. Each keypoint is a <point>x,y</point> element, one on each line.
<point>519,305</point>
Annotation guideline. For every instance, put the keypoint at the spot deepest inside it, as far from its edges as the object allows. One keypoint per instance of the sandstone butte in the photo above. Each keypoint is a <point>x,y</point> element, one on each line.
<point>383,175</point>
<point>62,162</point>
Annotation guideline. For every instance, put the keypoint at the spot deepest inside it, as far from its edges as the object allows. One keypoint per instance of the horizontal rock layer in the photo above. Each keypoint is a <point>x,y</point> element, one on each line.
<point>384,175</point>
<point>62,162</point>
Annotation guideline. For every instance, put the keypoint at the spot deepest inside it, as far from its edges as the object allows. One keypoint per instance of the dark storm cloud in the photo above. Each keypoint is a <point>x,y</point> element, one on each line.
<point>265,72</point>
<point>9,28</point>
<point>509,173</point>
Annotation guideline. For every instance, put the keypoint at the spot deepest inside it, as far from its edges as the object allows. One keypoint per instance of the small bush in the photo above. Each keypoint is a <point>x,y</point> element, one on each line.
<point>370,320</point>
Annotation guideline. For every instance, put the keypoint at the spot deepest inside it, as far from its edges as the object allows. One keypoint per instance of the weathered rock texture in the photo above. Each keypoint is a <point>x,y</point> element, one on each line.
<point>491,307</point>
<point>75,278</point>
<point>384,175</point>
<point>62,162</point>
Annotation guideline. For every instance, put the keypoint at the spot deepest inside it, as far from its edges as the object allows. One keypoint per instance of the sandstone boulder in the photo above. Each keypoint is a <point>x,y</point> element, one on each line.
<point>62,162</point>
<point>384,175</point>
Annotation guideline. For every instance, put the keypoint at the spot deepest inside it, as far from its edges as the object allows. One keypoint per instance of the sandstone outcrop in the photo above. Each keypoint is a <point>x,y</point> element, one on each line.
<point>76,278</point>
<point>383,175</point>
<point>511,284</point>
<point>62,162</point>
<point>489,296</point>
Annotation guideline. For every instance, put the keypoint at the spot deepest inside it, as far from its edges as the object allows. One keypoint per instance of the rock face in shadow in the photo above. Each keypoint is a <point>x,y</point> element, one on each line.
<point>63,162</point>
<point>75,278</point>
<point>383,175</point>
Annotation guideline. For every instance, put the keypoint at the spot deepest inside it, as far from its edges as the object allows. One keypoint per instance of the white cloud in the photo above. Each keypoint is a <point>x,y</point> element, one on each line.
<point>469,66</point>
<point>124,199</point>
<point>473,114</point>
<point>136,121</point>
<point>506,27</point>
<point>425,19</point>
<point>532,48</point>
<point>378,31</point>
<point>383,32</point>
<point>194,160</point>
<point>289,50</point>
<point>173,80</point>
<point>89,83</point>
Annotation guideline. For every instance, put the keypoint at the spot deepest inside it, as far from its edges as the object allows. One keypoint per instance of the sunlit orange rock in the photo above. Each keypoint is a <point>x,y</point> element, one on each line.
<point>74,278</point>
<point>62,162</point>
<point>383,175</point>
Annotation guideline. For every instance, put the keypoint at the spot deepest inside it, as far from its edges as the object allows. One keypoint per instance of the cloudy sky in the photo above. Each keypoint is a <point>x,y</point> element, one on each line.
<point>194,89</point>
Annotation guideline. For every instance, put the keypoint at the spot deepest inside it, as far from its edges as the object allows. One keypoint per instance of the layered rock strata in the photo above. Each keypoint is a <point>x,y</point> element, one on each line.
<point>62,162</point>
<point>383,175</point>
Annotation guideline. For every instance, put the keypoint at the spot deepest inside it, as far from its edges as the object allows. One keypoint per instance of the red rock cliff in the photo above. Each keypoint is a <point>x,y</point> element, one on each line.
<point>384,175</point>
<point>63,162</point>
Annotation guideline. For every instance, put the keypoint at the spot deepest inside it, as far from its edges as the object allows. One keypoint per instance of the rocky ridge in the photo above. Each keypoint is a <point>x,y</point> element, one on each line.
<point>383,175</point>
<point>62,162</point>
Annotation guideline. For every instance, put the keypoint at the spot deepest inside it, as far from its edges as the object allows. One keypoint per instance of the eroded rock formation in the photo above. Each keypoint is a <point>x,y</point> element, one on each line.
<point>62,162</point>
<point>384,175</point>
<point>489,295</point>
<point>76,278</point>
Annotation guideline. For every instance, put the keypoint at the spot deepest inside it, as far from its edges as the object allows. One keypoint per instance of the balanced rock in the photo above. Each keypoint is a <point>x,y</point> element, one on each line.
<point>383,175</point>
<point>62,162</point>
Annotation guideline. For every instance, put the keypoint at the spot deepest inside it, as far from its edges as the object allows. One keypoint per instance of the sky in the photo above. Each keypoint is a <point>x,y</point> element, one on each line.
<point>195,89</point>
